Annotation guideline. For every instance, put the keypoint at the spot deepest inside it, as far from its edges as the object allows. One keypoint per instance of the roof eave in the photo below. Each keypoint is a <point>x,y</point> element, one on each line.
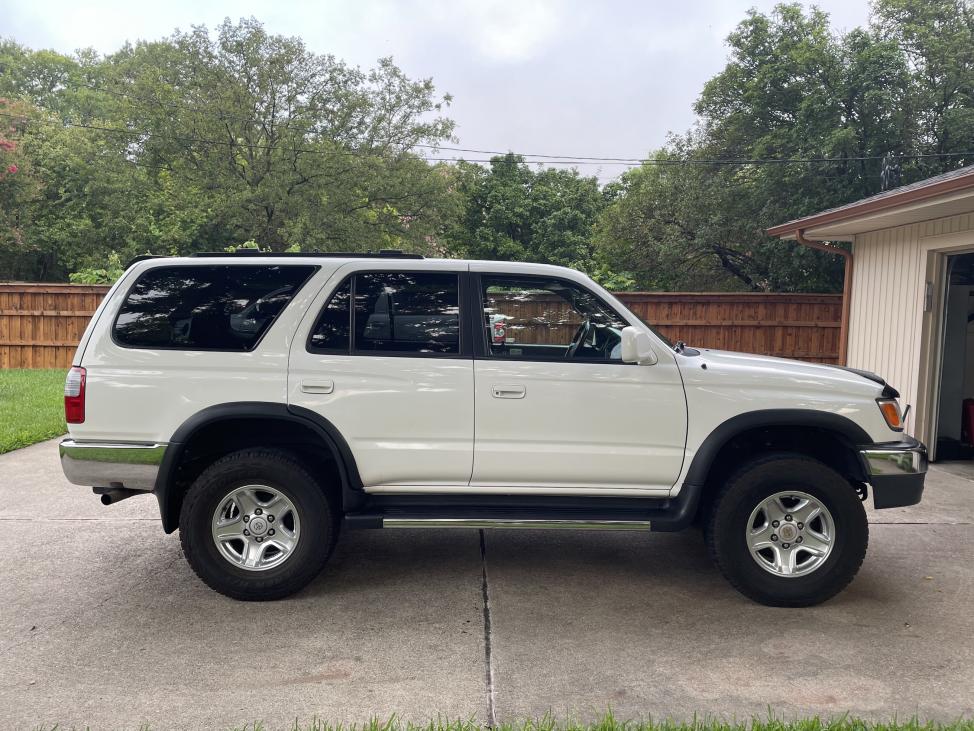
<point>870,207</point>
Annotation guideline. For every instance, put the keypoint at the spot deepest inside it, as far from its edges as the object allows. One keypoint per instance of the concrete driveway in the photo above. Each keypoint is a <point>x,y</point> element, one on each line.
<point>103,623</point>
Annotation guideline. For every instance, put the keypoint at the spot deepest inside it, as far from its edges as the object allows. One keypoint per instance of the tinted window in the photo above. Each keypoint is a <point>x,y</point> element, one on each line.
<point>333,328</point>
<point>399,312</point>
<point>206,307</point>
<point>535,318</point>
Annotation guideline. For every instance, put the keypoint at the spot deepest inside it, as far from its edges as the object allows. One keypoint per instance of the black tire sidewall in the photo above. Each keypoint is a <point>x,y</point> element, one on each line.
<point>750,487</point>
<point>281,472</point>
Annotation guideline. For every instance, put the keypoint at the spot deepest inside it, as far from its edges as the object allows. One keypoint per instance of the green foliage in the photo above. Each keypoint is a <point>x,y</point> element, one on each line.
<point>202,140</point>
<point>206,139</point>
<point>513,213</point>
<point>793,89</point>
<point>104,275</point>
<point>32,405</point>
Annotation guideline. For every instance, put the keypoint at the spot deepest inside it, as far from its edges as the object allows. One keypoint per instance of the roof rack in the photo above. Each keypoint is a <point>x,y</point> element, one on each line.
<point>381,254</point>
<point>144,257</point>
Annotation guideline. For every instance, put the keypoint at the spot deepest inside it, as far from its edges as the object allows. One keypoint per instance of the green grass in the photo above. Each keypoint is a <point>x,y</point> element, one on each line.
<point>31,406</point>
<point>610,723</point>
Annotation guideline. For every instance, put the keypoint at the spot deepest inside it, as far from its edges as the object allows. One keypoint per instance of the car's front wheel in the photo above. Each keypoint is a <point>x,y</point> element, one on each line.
<point>256,525</point>
<point>788,531</point>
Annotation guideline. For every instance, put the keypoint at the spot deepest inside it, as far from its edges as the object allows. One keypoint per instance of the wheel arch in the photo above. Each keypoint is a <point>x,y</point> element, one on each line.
<point>831,438</point>
<point>308,432</point>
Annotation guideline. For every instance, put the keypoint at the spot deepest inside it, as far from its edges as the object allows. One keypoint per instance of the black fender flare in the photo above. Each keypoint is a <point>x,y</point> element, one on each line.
<point>842,426</point>
<point>165,487</point>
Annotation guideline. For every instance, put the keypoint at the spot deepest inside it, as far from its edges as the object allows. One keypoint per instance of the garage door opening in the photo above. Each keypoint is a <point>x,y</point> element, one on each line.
<point>955,421</point>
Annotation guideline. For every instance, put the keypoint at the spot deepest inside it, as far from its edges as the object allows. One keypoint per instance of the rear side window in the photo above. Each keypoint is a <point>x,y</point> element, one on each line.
<point>219,307</point>
<point>392,313</point>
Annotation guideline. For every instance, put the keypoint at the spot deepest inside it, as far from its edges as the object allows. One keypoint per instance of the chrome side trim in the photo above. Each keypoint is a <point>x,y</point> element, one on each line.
<point>515,523</point>
<point>111,464</point>
<point>911,460</point>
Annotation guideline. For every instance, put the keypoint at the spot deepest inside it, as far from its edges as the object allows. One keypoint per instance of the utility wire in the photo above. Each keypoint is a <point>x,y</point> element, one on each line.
<point>563,159</point>
<point>550,159</point>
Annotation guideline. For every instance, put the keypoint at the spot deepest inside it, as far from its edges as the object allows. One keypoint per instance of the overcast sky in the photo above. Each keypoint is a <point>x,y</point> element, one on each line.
<point>560,77</point>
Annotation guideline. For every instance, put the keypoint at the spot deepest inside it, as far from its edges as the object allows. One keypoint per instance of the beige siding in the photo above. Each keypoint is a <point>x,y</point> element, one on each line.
<point>887,324</point>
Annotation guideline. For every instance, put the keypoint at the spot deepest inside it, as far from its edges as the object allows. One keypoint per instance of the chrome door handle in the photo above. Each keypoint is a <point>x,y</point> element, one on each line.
<point>317,386</point>
<point>515,391</point>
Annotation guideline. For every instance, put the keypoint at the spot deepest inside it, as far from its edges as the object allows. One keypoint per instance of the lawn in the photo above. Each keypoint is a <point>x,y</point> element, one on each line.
<point>610,723</point>
<point>31,406</point>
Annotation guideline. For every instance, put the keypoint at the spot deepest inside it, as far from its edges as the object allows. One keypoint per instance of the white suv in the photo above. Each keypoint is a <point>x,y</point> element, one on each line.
<point>269,400</point>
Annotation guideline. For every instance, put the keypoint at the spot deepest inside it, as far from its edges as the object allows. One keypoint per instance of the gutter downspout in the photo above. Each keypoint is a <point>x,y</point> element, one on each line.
<point>846,290</point>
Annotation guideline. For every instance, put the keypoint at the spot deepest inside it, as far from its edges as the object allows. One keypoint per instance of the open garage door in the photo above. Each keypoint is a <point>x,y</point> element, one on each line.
<point>955,412</point>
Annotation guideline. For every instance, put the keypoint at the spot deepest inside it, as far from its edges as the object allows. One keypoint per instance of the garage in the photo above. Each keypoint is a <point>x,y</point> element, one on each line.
<point>908,307</point>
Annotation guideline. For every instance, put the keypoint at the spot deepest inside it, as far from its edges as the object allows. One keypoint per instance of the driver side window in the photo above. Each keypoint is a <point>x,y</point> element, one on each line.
<point>537,318</point>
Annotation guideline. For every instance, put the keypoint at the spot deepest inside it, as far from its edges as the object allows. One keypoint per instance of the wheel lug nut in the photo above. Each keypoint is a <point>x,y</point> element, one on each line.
<point>258,539</point>
<point>246,519</point>
<point>270,532</point>
<point>775,523</point>
<point>788,518</point>
<point>246,532</point>
<point>259,511</point>
<point>270,518</point>
<point>783,545</point>
<point>799,539</point>
<point>800,526</point>
<point>774,536</point>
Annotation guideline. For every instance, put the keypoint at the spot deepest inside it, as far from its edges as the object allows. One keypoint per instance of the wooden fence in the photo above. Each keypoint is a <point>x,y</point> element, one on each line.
<point>40,324</point>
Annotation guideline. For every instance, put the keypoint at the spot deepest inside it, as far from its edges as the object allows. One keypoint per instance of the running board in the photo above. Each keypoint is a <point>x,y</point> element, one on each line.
<point>536,513</point>
<point>530,523</point>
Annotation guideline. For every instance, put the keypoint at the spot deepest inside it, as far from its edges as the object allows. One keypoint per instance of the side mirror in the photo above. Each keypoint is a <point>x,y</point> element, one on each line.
<point>637,347</point>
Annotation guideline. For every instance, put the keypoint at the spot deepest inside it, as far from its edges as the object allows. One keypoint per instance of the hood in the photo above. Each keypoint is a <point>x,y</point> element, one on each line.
<point>765,370</point>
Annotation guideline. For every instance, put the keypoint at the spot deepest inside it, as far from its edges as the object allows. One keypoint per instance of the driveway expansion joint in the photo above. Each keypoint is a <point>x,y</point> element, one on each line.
<point>488,659</point>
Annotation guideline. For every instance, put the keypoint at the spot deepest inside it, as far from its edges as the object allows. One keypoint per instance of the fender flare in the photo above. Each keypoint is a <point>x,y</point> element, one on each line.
<point>842,426</point>
<point>165,491</point>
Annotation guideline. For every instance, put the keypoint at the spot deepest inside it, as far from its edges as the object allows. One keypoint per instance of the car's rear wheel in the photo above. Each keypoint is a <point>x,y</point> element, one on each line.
<point>256,525</point>
<point>788,531</point>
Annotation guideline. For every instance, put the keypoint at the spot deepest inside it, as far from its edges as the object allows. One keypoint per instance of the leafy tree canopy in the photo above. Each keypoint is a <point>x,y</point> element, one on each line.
<point>794,89</point>
<point>206,139</point>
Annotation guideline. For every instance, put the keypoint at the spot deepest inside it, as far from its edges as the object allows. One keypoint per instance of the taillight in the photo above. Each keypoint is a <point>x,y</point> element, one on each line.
<point>74,396</point>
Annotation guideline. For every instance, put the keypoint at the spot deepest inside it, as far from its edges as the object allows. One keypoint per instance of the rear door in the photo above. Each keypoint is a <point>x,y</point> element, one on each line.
<point>381,356</point>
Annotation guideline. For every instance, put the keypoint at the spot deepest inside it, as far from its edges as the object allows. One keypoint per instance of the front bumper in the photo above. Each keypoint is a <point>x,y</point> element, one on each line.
<point>112,464</point>
<point>896,472</point>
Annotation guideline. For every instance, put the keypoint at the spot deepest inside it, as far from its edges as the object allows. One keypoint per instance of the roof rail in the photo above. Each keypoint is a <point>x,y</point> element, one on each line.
<point>381,254</point>
<point>144,257</point>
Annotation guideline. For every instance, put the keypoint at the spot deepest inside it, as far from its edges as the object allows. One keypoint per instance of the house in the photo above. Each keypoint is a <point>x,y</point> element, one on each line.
<point>908,310</point>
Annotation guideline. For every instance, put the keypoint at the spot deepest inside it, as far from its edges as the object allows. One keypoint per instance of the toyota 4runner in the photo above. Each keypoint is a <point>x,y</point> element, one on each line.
<point>269,400</point>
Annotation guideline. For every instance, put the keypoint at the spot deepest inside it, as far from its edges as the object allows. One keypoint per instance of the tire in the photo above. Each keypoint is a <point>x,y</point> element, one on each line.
<point>270,570</point>
<point>787,574</point>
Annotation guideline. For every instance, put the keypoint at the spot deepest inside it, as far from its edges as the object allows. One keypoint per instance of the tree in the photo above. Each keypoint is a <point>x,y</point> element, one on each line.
<point>287,145</point>
<point>792,90</point>
<point>513,213</point>
<point>937,39</point>
<point>201,140</point>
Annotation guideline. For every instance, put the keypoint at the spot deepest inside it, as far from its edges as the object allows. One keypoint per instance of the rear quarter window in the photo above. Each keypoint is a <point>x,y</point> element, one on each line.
<point>213,307</point>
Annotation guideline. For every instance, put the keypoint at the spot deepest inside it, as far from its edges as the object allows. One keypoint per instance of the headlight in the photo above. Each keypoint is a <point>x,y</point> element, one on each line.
<point>891,412</point>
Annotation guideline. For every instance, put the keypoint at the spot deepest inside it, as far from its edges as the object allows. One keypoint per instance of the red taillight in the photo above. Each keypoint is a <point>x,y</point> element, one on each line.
<point>74,396</point>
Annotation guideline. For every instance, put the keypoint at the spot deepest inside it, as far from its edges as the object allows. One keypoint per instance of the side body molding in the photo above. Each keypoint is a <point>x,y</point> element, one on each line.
<point>846,429</point>
<point>166,490</point>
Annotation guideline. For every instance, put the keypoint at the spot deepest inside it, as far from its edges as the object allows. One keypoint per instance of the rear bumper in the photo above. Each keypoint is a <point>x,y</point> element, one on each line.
<point>896,471</point>
<point>112,464</point>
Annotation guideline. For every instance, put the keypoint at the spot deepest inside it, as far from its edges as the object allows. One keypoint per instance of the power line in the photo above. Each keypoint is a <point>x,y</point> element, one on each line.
<point>562,159</point>
<point>550,160</point>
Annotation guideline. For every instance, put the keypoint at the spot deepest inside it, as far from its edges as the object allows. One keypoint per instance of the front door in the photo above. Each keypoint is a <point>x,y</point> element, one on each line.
<point>380,356</point>
<point>557,410</point>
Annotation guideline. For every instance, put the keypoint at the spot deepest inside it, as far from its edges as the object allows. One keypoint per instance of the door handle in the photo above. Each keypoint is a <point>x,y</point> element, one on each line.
<point>514,391</point>
<point>317,386</point>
